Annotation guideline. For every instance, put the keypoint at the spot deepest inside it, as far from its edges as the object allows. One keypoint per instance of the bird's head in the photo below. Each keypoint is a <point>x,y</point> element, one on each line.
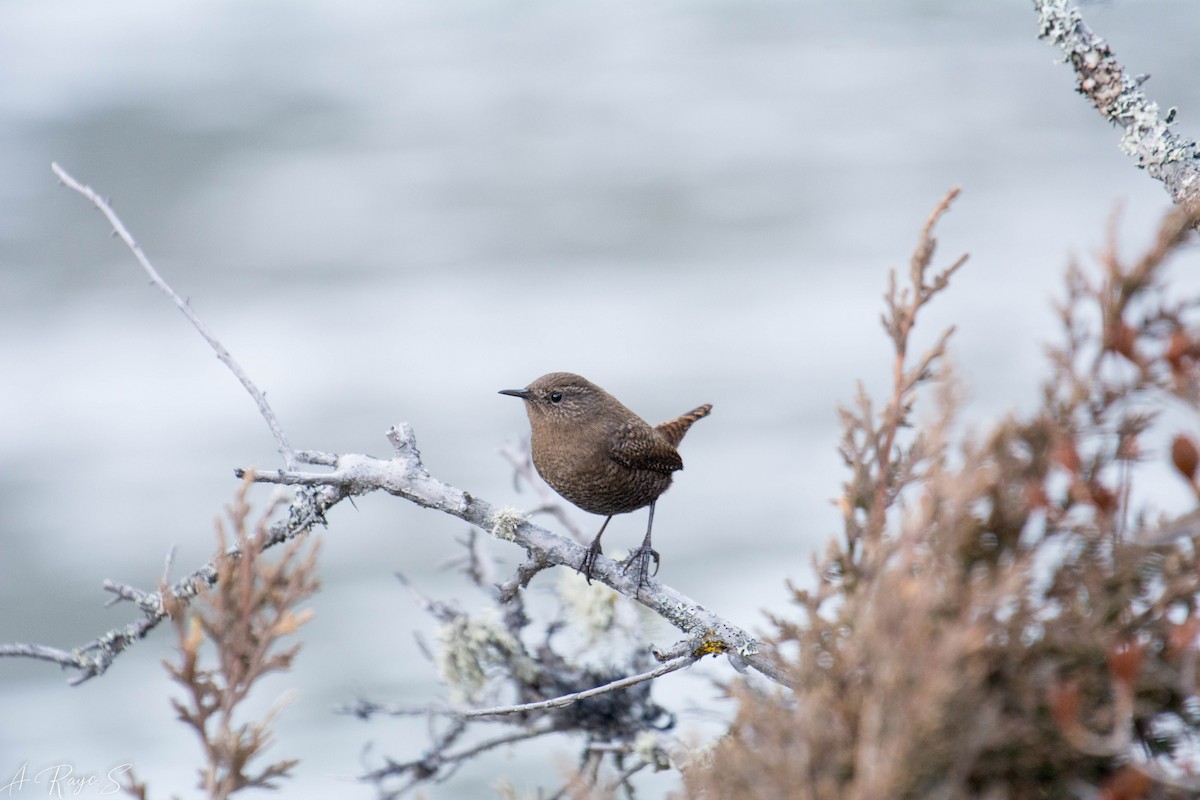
<point>559,397</point>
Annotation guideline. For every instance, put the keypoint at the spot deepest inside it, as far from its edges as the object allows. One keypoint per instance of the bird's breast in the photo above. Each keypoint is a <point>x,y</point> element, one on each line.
<point>585,474</point>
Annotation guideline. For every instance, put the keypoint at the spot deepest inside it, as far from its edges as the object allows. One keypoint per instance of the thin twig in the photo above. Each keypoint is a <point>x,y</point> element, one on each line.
<point>260,399</point>
<point>147,600</point>
<point>574,697</point>
<point>168,563</point>
<point>622,779</point>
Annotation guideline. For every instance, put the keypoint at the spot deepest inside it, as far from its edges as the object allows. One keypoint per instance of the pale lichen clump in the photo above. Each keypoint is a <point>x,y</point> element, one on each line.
<point>505,523</point>
<point>505,789</point>
<point>647,745</point>
<point>469,646</point>
<point>591,607</point>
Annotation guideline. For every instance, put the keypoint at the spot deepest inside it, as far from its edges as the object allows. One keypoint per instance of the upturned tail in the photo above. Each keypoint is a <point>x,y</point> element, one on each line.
<point>673,430</point>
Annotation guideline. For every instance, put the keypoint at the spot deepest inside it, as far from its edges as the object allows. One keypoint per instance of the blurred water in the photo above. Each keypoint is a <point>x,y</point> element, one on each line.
<point>388,211</point>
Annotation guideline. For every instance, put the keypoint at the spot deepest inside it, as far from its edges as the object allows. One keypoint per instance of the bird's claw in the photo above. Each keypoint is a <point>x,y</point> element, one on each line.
<point>588,562</point>
<point>642,557</point>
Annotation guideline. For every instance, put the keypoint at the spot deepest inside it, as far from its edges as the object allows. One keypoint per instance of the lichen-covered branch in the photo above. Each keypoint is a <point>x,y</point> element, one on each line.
<point>1119,98</point>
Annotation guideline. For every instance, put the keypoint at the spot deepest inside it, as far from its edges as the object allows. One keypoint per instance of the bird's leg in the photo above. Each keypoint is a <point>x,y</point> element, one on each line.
<point>589,558</point>
<point>643,554</point>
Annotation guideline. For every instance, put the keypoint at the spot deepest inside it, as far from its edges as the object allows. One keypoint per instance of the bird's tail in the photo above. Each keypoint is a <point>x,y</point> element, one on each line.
<point>674,429</point>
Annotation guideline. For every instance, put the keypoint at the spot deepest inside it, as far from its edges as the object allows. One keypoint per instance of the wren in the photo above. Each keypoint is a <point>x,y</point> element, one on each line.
<point>601,456</point>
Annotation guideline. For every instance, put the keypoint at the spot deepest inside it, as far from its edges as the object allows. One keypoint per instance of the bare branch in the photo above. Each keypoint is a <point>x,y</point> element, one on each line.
<point>520,579</point>
<point>42,652</point>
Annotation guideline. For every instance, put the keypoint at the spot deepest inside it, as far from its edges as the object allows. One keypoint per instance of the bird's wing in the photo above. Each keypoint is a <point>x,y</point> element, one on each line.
<point>644,449</point>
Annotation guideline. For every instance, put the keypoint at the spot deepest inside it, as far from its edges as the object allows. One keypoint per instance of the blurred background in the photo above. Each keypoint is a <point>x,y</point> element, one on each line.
<point>388,211</point>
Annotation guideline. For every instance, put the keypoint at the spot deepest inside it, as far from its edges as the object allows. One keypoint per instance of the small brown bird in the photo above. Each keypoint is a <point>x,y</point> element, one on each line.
<point>601,456</point>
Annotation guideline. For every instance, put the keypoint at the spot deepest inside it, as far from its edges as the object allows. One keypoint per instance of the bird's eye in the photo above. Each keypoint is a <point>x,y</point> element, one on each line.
<point>556,397</point>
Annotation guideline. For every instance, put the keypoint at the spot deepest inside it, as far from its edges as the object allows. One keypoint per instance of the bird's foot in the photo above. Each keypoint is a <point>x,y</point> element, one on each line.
<point>642,557</point>
<point>589,560</point>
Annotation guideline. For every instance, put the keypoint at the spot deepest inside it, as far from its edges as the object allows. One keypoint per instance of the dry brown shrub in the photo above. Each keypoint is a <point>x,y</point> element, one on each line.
<point>997,618</point>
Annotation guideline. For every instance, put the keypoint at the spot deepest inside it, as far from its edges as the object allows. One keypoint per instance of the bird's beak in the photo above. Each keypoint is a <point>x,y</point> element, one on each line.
<point>521,393</point>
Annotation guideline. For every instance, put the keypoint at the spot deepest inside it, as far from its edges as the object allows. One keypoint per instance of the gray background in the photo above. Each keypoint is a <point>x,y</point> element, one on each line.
<point>389,211</point>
